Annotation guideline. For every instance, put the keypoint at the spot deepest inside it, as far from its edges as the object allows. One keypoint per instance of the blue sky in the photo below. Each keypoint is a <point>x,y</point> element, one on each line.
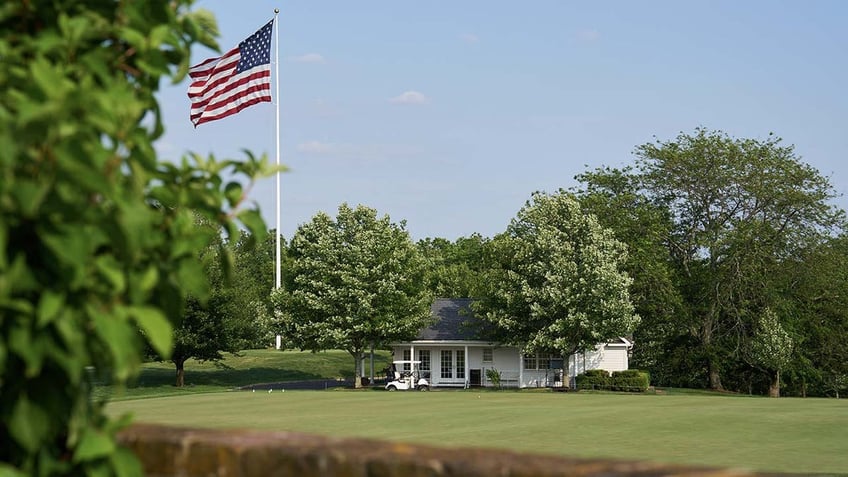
<point>449,114</point>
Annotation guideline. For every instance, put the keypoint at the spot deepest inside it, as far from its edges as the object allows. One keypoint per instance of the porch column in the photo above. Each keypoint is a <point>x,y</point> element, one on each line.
<point>521,369</point>
<point>572,372</point>
<point>584,362</point>
<point>466,367</point>
<point>372,364</point>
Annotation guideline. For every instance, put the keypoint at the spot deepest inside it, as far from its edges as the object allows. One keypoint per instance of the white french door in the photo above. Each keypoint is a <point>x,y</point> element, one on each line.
<point>452,364</point>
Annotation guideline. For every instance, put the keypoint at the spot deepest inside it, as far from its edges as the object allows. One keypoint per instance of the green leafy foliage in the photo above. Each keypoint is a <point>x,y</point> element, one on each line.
<point>356,281</point>
<point>97,235</point>
<point>593,379</point>
<point>739,208</point>
<point>630,380</point>
<point>254,259</point>
<point>494,377</point>
<point>455,269</point>
<point>226,320</point>
<point>771,347</point>
<point>558,284</point>
<point>719,231</point>
<point>615,197</point>
<point>813,283</point>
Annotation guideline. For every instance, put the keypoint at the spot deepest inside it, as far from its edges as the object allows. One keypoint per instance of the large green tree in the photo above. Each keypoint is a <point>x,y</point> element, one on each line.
<point>739,207</point>
<point>229,318</point>
<point>356,281</point>
<point>771,348</point>
<point>254,278</point>
<point>559,284</point>
<point>615,197</point>
<point>816,281</point>
<point>455,269</point>
<point>97,235</point>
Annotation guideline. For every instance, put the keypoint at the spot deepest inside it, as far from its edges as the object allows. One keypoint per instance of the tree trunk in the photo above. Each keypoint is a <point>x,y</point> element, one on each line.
<point>371,365</point>
<point>774,388</point>
<point>180,364</point>
<point>715,379</point>
<point>357,368</point>
<point>712,364</point>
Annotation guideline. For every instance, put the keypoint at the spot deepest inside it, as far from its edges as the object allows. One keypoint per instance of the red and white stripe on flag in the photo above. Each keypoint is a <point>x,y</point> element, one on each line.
<point>225,85</point>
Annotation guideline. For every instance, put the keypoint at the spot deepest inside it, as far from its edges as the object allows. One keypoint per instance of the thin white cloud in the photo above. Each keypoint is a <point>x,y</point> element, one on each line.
<point>470,38</point>
<point>308,58</point>
<point>588,35</point>
<point>357,152</point>
<point>410,97</point>
<point>317,147</point>
<point>324,109</point>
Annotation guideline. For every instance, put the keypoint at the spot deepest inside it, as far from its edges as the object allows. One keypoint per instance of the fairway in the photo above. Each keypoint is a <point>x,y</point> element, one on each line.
<point>788,435</point>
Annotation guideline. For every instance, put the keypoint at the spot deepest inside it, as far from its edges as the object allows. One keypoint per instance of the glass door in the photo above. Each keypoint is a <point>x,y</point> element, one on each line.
<point>452,364</point>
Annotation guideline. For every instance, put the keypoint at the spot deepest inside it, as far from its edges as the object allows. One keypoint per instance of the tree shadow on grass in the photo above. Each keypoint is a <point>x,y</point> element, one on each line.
<point>223,376</point>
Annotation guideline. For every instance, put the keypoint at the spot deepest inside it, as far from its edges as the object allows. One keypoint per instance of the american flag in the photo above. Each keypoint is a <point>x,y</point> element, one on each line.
<point>225,85</point>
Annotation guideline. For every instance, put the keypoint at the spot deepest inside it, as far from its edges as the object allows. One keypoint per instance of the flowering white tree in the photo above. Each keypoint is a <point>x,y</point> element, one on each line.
<point>771,348</point>
<point>559,283</point>
<point>355,282</point>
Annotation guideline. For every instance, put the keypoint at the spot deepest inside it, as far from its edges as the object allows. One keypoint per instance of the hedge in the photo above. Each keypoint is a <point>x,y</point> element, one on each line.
<point>631,380</point>
<point>594,379</point>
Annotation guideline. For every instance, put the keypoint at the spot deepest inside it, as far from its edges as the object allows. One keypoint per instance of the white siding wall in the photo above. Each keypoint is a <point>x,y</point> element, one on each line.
<point>507,361</point>
<point>609,357</point>
<point>475,358</point>
<point>613,358</point>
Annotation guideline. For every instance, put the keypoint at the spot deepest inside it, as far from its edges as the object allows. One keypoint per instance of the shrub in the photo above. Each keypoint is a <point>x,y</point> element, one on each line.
<point>494,377</point>
<point>631,380</point>
<point>593,379</point>
<point>97,233</point>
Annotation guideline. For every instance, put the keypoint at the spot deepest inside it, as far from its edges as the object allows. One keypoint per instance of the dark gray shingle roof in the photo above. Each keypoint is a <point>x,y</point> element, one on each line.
<point>454,321</point>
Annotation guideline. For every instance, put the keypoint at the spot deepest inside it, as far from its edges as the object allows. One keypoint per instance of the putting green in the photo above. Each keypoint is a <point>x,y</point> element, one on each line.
<point>788,435</point>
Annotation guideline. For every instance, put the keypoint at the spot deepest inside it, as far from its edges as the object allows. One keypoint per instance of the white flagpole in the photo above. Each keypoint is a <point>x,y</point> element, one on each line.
<point>277,121</point>
<point>277,98</point>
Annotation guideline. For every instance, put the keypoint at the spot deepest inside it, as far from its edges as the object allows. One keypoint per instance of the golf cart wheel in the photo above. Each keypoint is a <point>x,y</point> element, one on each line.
<point>423,388</point>
<point>392,388</point>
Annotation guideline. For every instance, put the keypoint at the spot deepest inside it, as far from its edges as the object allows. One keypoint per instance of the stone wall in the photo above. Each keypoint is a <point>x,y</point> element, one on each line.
<point>167,451</point>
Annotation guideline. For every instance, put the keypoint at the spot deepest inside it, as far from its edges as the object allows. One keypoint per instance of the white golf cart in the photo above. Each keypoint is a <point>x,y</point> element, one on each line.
<point>402,379</point>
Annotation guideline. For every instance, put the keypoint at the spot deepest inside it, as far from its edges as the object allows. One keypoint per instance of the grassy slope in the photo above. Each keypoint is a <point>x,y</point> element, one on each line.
<point>249,367</point>
<point>798,435</point>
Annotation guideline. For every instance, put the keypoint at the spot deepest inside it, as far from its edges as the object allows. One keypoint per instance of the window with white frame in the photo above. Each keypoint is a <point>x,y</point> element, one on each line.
<point>530,361</point>
<point>424,357</point>
<point>535,361</point>
<point>544,361</point>
<point>488,355</point>
<point>447,364</point>
<point>460,364</point>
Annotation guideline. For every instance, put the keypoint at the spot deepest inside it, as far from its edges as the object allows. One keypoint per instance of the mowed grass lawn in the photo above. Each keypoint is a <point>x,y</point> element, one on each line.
<point>785,435</point>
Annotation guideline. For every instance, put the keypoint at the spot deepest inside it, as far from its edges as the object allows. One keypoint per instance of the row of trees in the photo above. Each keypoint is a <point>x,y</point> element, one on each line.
<point>722,258</point>
<point>736,256</point>
<point>358,281</point>
<point>554,281</point>
<point>737,259</point>
<point>733,243</point>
